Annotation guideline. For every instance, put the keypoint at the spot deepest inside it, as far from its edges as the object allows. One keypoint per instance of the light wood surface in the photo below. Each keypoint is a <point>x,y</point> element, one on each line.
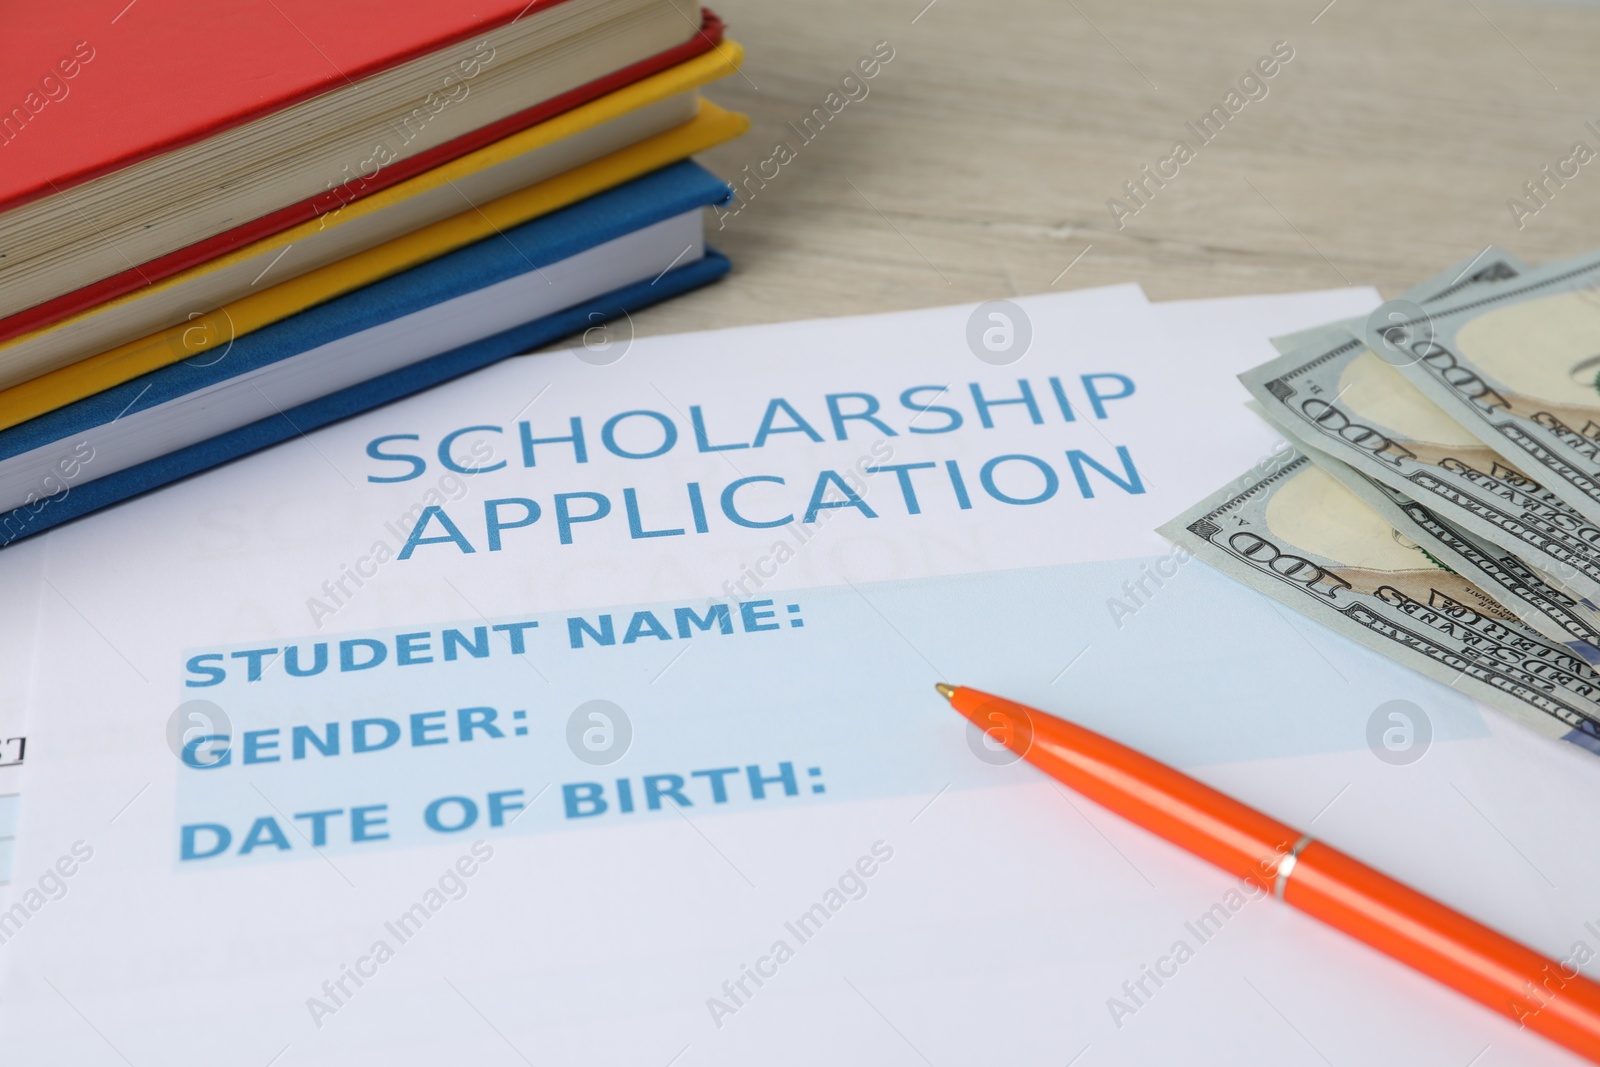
<point>980,162</point>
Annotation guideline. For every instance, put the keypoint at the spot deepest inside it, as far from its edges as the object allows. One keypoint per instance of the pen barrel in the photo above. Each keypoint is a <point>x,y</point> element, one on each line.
<point>1544,995</point>
<point>1549,997</point>
<point>1246,843</point>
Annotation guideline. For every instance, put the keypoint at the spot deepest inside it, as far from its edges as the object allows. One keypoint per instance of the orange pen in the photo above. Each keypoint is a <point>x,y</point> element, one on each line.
<point>1541,994</point>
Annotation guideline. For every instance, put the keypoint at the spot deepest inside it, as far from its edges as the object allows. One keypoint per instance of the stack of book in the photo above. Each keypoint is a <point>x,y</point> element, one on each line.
<point>321,208</point>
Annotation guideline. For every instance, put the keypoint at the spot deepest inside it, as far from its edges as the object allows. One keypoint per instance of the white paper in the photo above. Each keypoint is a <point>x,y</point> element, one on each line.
<point>18,632</point>
<point>1003,920</point>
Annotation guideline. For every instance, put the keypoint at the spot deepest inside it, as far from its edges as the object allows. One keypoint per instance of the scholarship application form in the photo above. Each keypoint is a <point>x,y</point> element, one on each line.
<point>16,667</point>
<point>582,711</point>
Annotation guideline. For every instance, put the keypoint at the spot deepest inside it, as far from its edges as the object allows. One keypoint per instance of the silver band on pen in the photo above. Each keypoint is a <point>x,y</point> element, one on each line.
<point>1286,866</point>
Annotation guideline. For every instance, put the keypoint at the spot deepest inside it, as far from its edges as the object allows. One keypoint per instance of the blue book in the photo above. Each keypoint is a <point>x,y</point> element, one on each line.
<point>561,274</point>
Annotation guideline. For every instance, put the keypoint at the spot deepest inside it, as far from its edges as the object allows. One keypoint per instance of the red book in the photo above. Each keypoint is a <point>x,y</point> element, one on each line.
<point>138,139</point>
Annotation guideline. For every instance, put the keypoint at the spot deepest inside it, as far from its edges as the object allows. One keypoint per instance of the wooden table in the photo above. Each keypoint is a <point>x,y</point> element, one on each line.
<point>981,160</point>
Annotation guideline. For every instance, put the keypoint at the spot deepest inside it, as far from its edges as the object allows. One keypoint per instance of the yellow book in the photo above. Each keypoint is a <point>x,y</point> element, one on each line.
<point>196,333</point>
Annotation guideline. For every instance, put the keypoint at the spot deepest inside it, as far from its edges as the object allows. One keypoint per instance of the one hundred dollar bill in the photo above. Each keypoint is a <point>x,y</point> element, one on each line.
<point>1299,536</point>
<point>1338,395</point>
<point>1488,268</point>
<point>1503,575</point>
<point>1518,367</point>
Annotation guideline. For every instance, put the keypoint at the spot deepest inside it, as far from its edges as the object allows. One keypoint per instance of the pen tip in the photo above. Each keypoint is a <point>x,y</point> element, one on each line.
<point>946,691</point>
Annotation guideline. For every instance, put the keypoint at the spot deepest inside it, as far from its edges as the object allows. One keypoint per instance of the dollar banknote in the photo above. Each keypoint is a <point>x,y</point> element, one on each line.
<point>1517,367</point>
<point>1502,574</point>
<point>1298,535</point>
<point>1338,395</point>
<point>1488,268</point>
